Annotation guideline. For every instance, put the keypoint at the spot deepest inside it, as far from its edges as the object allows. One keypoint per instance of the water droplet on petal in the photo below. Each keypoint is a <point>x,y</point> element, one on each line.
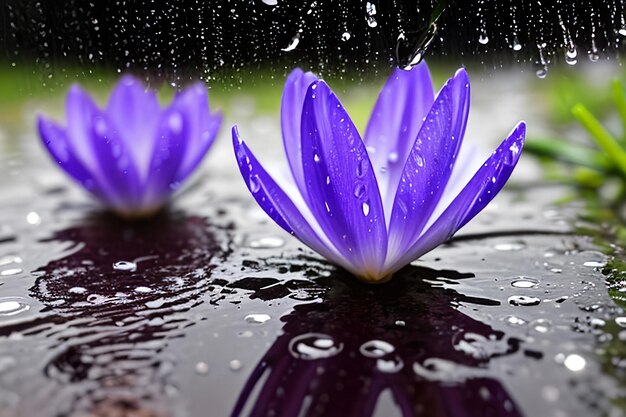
<point>366,208</point>
<point>254,183</point>
<point>359,190</point>
<point>311,346</point>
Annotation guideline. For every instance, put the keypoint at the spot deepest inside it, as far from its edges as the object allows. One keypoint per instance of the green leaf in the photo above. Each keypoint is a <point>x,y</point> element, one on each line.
<point>568,152</point>
<point>603,139</point>
<point>620,102</point>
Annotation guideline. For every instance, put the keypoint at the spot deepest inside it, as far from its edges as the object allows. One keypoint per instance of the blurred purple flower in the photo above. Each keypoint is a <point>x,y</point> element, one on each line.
<point>132,155</point>
<point>372,206</point>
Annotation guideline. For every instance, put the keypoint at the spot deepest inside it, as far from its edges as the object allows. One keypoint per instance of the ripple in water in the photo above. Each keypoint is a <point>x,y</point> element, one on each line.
<point>311,346</point>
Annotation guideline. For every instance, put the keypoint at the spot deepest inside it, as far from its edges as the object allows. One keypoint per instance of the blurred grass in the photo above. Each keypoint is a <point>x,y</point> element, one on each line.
<point>25,88</point>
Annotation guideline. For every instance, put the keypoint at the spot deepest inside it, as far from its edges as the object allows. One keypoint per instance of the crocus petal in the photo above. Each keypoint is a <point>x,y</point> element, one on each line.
<point>55,140</point>
<point>479,191</point>
<point>291,116</point>
<point>202,127</point>
<point>340,181</point>
<point>169,149</point>
<point>135,112</point>
<point>80,112</point>
<point>275,202</point>
<point>396,119</point>
<point>115,164</point>
<point>430,163</point>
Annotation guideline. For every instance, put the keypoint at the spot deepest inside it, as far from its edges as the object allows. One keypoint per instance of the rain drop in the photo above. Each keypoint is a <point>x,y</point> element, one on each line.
<point>293,44</point>
<point>359,190</point>
<point>571,56</point>
<point>235,365</point>
<point>10,306</point>
<point>366,208</point>
<point>11,271</point>
<point>483,39</point>
<point>254,183</point>
<point>510,246</point>
<point>575,362</point>
<point>595,264</point>
<point>523,300</point>
<point>525,282</point>
<point>257,318</point>
<point>268,242</point>
<point>345,36</point>
<point>202,368</point>
<point>376,348</point>
<point>126,266</point>
<point>311,346</point>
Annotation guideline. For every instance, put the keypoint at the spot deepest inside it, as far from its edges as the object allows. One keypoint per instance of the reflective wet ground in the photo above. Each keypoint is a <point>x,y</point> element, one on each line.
<point>210,310</point>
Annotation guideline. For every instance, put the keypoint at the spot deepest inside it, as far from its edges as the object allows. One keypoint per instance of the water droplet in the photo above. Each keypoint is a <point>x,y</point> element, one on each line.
<point>126,266</point>
<point>595,264</point>
<point>77,290</point>
<point>311,346</point>
<point>510,246</point>
<point>235,365</point>
<point>257,318</point>
<point>11,259</point>
<point>419,160</point>
<point>622,31</point>
<point>175,123</point>
<point>143,290</point>
<point>525,282</point>
<point>575,362</point>
<point>523,300</point>
<point>11,271</point>
<point>514,321</point>
<point>366,208</point>
<point>541,325</point>
<point>483,39</point>
<point>620,321</point>
<point>393,157</point>
<point>517,46</point>
<point>270,2</point>
<point>571,55</point>
<point>345,36</point>
<point>400,323</point>
<point>202,368</point>
<point>268,242</point>
<point>293,44</point>
<point>254,183</point>
<point>361,168</point>
<point>542,72</point>
<point>376,348</point>
<point>33,218</point>
<point>359,190</point>
<point>10,306</point>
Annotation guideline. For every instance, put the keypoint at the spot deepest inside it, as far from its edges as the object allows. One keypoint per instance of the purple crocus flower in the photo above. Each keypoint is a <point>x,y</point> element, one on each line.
<point>132,155</point>
<point>372,206</point>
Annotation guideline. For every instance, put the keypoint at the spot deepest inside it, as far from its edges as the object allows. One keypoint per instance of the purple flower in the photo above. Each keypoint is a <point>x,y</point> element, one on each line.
<point>372,206</point>
<point>133,155</point>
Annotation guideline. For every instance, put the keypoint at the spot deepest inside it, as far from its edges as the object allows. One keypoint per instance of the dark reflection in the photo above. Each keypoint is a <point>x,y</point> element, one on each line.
<point>402,348</point>
<point>112,307</point>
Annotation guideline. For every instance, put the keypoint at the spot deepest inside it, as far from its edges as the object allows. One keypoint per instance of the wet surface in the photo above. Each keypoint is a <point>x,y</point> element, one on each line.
<point>210,309</point>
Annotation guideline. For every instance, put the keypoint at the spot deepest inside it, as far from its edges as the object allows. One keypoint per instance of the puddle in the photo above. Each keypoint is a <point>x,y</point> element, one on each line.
<point>210,307</point>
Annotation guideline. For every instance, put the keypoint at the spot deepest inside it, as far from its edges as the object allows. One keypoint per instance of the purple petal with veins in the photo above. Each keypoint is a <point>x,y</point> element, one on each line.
<point>374,206</point>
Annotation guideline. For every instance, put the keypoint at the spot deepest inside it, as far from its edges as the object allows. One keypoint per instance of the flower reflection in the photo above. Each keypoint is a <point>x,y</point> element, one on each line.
<point>402,349</point>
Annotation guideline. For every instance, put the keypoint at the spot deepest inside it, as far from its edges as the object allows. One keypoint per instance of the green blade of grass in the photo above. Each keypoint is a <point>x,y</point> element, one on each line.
<point>603,139</point>
<point>568,152</point>
<point>620,102</point>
